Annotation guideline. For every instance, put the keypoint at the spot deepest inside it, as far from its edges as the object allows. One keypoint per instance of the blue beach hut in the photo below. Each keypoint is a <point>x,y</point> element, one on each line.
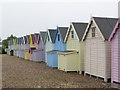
<point>11,47</point>
<point>59,45</point>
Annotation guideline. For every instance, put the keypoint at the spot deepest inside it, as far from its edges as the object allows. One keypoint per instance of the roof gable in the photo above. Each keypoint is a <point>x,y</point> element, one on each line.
<point>63,32</point>
<point>52,34</point>
<point>32,38</point>
<point>25,39</point>
<point>116,28</point>
<point>43,35</point>
<point>36,37</point>
<point>80,29</point>
<point>28,39</point>
<point>105,26</point>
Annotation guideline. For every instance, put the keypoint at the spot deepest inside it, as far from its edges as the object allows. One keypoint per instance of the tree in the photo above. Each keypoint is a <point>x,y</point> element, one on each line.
<point>5,41</point>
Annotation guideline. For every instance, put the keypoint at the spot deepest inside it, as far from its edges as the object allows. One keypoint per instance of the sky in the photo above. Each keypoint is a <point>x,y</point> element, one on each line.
<point>24,17</point>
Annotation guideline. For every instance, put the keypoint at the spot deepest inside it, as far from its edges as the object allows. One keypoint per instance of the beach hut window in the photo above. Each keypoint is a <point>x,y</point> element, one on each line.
<point>72,34</point>
<point>93,32</point>
<point>58,37</point>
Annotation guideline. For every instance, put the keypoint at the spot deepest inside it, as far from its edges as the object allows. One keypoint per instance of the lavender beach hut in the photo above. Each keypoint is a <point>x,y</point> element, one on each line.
<point>115,53</point>
<point>42,46</point>
<point>39,52</point>
<point>17,47</point>
<point>37,56</point>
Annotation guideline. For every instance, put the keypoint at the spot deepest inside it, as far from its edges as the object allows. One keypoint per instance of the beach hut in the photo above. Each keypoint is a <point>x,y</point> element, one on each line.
<point>32,46</point>
<point>115,53</point>
<point>16,51</point>
<point>73,58</point>
<point>59,45</point>
<point>27,47</point>
<point>97,60</point>
<point>42,46</point>
<point>36,40</point>
<point>21,47</point>
<point>49,41</point>
<point>39,52</point>
<point>37,56</point>
<point>11,47</point>
<point>15,47</point>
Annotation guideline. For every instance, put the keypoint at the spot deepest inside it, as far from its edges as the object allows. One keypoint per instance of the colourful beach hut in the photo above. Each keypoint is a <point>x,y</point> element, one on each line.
<point>11,47</point>
<point>15,47</point>
<point>36,40</point>
<point>37,55</point>
<point>59,45</point>
<point>115,53</point>
<point>32,46</point>
<point>39,52</point>
<point>73,58</point>
<point>49,41</point>
<point>19,46</point>
<point>22,45</point>
<point>97,55</point>
<point>42,46</point>
<point>27,47</point>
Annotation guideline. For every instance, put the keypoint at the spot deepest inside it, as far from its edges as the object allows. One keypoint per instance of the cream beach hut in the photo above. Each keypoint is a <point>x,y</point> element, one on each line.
<point>72,59</point>
<point>97,47</point>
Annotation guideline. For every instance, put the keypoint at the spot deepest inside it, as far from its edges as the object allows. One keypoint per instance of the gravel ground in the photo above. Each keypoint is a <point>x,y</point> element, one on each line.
<point>19,73</point>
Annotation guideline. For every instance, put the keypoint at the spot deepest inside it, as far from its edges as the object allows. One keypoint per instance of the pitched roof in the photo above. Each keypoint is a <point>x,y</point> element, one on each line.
<point>43,35</point>
<point>25,39</point>
<point>52,33</point>
<point>63,31</point>
<point>106,25</point>
<point>117,27</point>
<point>37,37</point>
<point>79,28</point>
<point>28,39</point>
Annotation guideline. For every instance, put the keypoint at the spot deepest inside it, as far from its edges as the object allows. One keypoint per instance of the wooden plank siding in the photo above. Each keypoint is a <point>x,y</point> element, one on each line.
<point>75,44</point>
<point>115,53</point>
<point>95,54</point>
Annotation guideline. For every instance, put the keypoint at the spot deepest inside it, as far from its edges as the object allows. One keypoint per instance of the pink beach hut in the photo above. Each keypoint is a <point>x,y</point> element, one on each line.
<point>39,52</point>
<point>115,53</point>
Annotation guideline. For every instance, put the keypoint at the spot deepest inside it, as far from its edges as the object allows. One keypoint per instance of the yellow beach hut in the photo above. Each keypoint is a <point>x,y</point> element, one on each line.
<point>72,59</point>
<point>27,47</point>
<point>15,47</point>
<point>32,46</point>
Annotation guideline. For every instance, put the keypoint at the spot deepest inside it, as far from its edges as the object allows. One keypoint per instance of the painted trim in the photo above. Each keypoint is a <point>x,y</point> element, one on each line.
<point>114,30</point>
<point>87,29</point>
<point>68,32</point>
